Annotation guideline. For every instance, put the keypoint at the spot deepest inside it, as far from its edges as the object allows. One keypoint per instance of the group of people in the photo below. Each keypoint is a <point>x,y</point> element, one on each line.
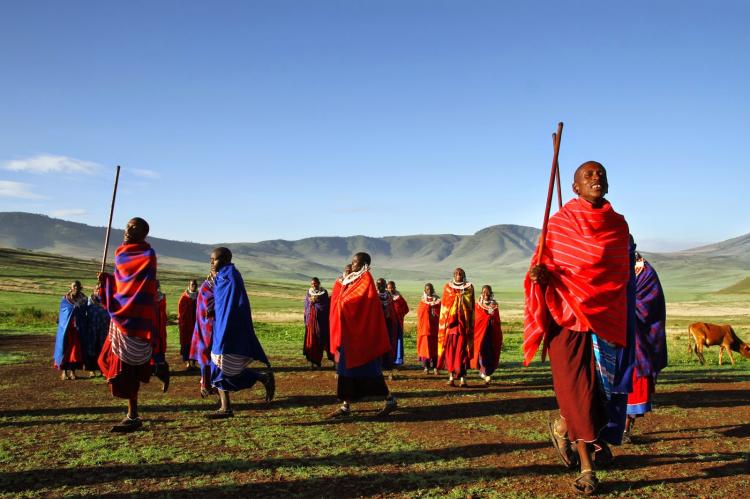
<point>592,304</point>
<point>455,332</point>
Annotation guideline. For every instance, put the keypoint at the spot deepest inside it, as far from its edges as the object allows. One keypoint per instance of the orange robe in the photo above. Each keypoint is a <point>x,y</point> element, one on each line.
<point>456,328</point>
<point>428,319</point>
<point>357,323</point>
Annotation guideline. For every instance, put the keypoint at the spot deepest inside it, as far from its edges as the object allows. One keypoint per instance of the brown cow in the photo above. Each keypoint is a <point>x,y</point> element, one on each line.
<point>706,335</point>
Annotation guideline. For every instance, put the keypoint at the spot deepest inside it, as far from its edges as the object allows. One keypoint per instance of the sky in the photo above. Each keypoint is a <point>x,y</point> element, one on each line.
<point>250,120</point>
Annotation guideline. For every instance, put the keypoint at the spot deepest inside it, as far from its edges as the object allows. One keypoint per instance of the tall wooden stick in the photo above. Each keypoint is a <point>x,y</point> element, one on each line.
<point>109,224</point>
<point>547,208</point>
<point>557,174</point>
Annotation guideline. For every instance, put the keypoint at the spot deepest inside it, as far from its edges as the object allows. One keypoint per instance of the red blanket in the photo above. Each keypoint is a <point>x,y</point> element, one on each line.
<point>186,308</point>
<point>487,322</point>
<point>586,253</point>
<point>360,328</point>
<point>402,308</point>
<point>428,317</point>
<point>130,294</point>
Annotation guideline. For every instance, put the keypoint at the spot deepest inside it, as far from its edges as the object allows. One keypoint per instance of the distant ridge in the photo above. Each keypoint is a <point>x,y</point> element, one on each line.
<point>499,254</point>
<point>489,251</point>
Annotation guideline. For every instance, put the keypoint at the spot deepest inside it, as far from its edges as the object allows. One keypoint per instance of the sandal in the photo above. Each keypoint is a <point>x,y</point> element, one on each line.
<point>270,385</point>
<point>389,407</point>
<point>562,446</point>
<point>127,425</point>
<point>220,414</point>
<point>586,483</point>
<point>339,413</point>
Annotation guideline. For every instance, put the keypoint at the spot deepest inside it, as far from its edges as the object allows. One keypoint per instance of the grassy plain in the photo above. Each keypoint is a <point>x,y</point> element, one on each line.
<point>476,442</point>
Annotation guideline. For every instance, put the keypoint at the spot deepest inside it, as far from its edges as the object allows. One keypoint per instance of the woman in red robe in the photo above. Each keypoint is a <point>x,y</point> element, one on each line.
<point>428,319</point>
<point>359,339</point>
<point>456,327</point>
<point>186,308</point>
<point>488,336</point>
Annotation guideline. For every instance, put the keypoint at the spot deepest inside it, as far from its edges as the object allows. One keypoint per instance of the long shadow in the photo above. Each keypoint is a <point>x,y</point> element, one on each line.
<point>728,469</point>
<point>58,477</point>
<point>443,412</point>
<point>63,411</point>
<point>701,376</point>
<point>403,482</point>
<point>704,398</point>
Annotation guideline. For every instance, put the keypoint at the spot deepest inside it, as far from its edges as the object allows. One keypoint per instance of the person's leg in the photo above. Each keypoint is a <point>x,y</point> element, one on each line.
<point>133,408</point>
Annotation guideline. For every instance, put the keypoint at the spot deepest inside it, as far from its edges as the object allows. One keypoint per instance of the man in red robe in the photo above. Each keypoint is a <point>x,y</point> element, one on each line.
<point>456,328</point>
<point>576,289</point>
<point>428,320</point>
<point>359,339</point>
<point>186,320</point>
<point>129,295</point>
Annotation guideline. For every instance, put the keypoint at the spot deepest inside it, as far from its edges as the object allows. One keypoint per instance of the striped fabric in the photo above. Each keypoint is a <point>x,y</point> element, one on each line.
<point>606,363</point>
<point>130,295</point>
<point>587,255</point>
<point>230,364</point>
<point>130,350</point>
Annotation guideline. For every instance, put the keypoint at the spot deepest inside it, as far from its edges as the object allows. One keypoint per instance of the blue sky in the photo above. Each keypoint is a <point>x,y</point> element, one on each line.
<point>245,121</point>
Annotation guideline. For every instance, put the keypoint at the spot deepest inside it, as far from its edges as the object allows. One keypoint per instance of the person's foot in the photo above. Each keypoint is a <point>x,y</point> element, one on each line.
<point>161,371</point>
<point>390,376</point>
<point>390,406</point>
<point>221,414</point>
<point>450,383</point>
<point>462,383</point>
<point>586,483</point>
<point>127,425</point>
<point>73,375</point>
<point>206,392</point>
<point>436,372</point>
<point>341,412</point>
<point>269,383</point>
<point>626,438</point>
<point>64,376</point>
<point>562,445</point>
<point>487,380</point>
<point>426,370</point>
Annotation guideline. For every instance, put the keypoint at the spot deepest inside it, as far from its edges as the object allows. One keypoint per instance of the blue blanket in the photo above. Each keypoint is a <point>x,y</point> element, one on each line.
<point>233,326</point>
<point>67,312</point>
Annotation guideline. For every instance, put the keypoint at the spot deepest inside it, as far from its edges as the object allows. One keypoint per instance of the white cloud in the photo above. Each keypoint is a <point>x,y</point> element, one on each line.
<point>67,212</point>
<point>47,163</point>
<point>142,172</point>
<point>10,189</point>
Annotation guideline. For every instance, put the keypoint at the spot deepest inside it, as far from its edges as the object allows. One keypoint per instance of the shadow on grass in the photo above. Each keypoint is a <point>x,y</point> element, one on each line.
<point>703,376</point>
<point>448,411</point>
<point>317,486</point>
<point>704,398</point>
<point>373,483</point>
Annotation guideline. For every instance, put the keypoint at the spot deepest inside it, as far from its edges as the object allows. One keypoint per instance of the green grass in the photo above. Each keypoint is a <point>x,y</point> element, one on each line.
<point>492,443</point>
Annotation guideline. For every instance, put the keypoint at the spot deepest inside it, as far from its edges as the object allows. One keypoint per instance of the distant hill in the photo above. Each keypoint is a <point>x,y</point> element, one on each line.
<point>740,287</point>
<point>499,250</point>
<point>499,254</point>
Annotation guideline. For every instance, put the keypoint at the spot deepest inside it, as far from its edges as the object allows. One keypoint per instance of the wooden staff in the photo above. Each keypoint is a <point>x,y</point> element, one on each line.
<point>557,174</point>
<point>549,193</point>
<point>109,225</point>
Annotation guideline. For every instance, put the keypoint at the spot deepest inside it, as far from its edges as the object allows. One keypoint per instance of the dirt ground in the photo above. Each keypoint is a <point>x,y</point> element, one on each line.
<point>473,442</point>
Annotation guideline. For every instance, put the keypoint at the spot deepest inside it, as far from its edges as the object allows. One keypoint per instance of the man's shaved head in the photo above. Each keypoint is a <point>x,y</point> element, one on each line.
<point>580,168</point>
<point>220,257</point>
<point>136,230</point>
